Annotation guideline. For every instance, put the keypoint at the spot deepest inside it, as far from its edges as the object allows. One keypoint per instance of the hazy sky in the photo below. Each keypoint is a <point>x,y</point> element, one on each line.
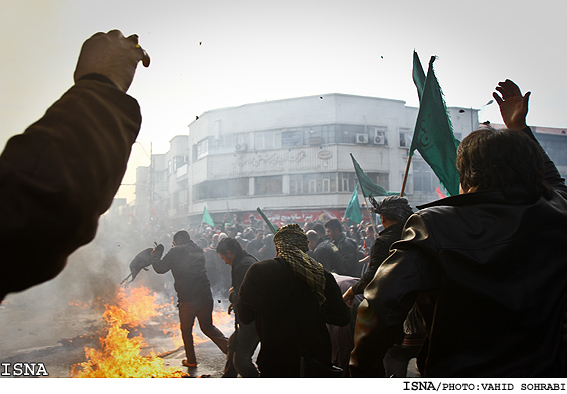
<point>209,54</point>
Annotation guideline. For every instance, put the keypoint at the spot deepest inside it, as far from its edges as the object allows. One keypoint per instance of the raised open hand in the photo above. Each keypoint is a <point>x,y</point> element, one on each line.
<point>513,106</point>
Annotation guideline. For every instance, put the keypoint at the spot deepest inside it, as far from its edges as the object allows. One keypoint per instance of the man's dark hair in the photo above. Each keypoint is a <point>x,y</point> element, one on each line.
<point>312,235</point>
<point>502,159</point>
<point>320,229</point>
<point>181,237</point>
<point>393,208</point>
<point>228,244</point>
<point>334,224</point>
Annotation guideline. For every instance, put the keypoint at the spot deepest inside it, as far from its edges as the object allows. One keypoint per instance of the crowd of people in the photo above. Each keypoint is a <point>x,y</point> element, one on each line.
<point>473,285</point>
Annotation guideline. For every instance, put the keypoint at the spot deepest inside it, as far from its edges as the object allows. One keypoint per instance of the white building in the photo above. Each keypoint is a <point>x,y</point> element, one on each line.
<point>290,157</point>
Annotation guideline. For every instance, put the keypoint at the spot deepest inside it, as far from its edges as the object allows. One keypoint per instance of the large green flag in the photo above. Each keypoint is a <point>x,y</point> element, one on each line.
<point>353,208</point>
<point>433,136</point>
<point>369,188</point>
<point>418,75</point>
<point>207,217</point>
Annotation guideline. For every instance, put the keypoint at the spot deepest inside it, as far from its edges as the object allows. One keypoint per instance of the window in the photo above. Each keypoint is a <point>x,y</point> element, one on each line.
<point>202,148</point>
<point>179,161</point>
<point>347,181</point>
<point>222,142</point>
<point>382,179</point>
<point>405,140</point>
<point>312,186</point>
<point>424,179</point>
<point>325,182</point>
<point>222,188</point>
<point>268,185</point>
<point>292,138</point>
<point>296,184</point>
<point>268,139</point>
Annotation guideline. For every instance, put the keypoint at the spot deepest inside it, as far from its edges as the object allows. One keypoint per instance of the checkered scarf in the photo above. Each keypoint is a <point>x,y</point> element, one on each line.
<point>292,246</point>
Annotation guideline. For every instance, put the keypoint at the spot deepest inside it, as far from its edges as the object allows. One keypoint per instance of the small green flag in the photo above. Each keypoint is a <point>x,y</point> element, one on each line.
<point>353,208</point>
<point>207,217</point>
<point>369,188</point>
<point>433,136</point>
<point>273,228</point>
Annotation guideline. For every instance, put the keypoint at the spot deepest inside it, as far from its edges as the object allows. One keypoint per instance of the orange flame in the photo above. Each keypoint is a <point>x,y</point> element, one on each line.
<point>119,355</point>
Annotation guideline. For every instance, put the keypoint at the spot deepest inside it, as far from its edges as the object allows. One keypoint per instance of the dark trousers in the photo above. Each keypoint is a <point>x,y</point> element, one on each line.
<point>203,311</point>
<point>241,347</point>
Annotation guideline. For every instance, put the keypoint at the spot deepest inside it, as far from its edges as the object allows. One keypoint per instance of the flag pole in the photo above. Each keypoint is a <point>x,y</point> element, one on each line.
<point>406,175</point>
<point>272,228</point>
<point>371,216</point>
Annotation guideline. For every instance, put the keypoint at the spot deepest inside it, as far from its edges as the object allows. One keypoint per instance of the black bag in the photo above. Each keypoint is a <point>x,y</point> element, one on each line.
<point>312,368</point>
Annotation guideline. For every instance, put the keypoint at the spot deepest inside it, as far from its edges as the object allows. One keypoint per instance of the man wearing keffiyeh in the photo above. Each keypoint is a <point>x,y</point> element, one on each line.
<point>291,299</point>
<point>291,245</point>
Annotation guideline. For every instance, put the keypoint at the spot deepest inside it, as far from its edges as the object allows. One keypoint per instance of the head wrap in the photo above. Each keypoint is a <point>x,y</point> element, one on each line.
<point>395,206</point>
<point>292,245</point>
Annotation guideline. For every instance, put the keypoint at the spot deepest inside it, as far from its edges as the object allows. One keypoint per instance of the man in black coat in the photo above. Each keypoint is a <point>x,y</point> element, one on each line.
<point>325,252</point>
<point>490,262</point>
<point>393,211</point>
<point>244,340</point>
<point>348,248</point>
<point>187,264</point>
<point>290,299</point>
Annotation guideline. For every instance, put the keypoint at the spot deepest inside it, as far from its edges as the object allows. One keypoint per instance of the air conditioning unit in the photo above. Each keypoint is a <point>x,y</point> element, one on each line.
<point>379,138</point>
<point>240,147</point>
<point>361,138</point>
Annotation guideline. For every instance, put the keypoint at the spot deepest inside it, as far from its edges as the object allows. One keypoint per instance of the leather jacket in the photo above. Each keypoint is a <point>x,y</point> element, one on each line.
<point>379,252</point>
<point>498,274</point>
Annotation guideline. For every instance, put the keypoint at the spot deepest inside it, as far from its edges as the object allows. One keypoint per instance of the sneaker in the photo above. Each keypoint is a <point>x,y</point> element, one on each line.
<point>185,363</point>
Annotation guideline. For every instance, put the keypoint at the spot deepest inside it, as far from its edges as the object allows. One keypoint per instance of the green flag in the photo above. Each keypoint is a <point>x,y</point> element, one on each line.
<point>353,208</point>
<point>433,136</point>
<point>418,75</point>
<point>272,228</point>
<point>369,188</point>
<point>207,217</point>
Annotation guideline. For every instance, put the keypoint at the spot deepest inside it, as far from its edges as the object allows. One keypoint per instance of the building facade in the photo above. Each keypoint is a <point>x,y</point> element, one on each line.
<point>291,158</point>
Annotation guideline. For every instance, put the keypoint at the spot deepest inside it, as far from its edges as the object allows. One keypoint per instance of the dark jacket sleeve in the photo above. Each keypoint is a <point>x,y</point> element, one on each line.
<point>390,296</point>
<point>161,266</point>
<point>58,177</point>
<point>247,294</point>
<point>551,173</point>
<point>378,253</point>
<point>335,309</point>
<point>238,274</point>
<point>348,251</point>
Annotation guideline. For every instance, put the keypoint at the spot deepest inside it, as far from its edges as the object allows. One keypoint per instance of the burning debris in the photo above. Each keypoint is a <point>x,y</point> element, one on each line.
<point>123,351</point>
<point>121,356</point>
